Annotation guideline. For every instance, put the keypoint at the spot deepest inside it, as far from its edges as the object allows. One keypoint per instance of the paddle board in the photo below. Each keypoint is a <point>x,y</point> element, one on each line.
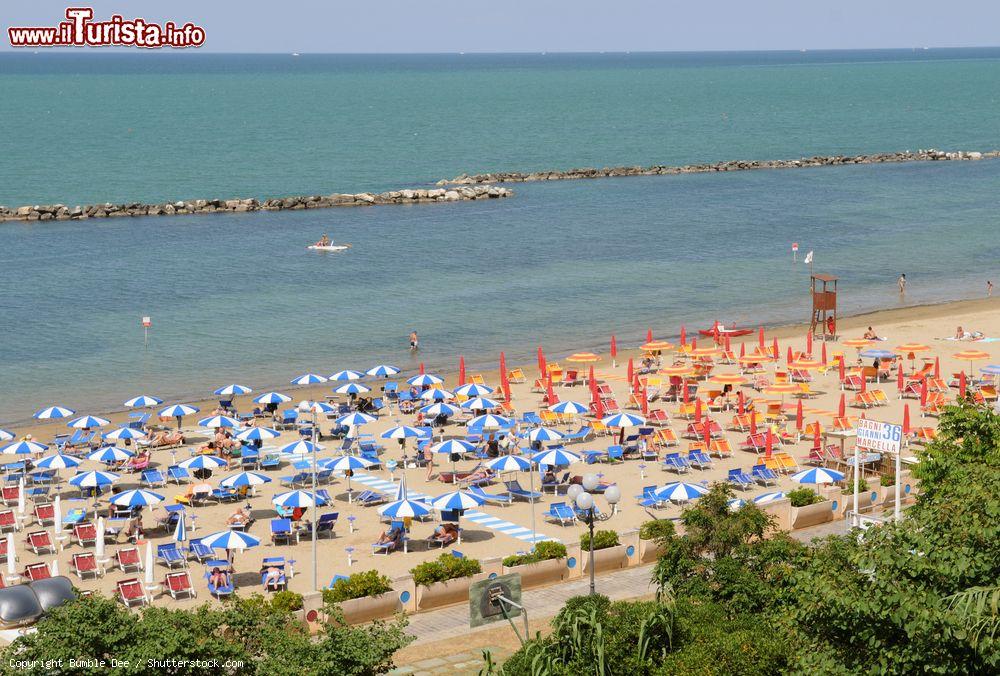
<point>331,247</point>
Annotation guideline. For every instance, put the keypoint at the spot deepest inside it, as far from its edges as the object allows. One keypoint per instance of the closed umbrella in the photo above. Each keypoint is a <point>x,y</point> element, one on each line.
<point>180,531</point>
<point>149,568</point>
<point>461,370</point>
<point>11,556</point>
<point>99,542</point>
<point>57,518</point>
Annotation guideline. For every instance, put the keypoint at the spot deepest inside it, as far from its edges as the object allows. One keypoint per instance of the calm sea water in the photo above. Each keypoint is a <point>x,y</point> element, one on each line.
<point>237,297</point>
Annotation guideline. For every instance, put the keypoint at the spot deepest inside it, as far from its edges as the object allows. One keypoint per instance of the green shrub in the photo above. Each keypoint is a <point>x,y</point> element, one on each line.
<point>657,529</point>
<point>443,568</point>
<point>359,585</point>
<point>545,550</point>
<point>286,601</point>
<point>602,540</point>
<point>802,497</point>
<point>887,480</point>
<point>849,486</point>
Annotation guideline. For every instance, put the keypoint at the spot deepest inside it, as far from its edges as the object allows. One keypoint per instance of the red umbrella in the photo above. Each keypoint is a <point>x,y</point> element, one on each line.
<point>592,381</point>
<point>961,385</point>
<point>728,347</point>
<point>740,403</point>
<point>599,408</point>
<point>817,442</point>
<point>798,416</point>
<point>503,365</point>
<point>906,420</point>
<point>937,367</point>
<point>697,410</point>
<point>684,389</point>
<point>649,335</point>
<point>694,343</point>
<point>461,370</point>
<point>788,356</point>
<point>774,348</point>
<point>923,392</point>
<point>631,370</point>
<point>683,336</point>
<point>768,442</point>
<point>635,384</point>
<point>505,383</point>
<point>760,338</point>
<point>614,346</point>
<point>708,434</point>
<point>541,361</point>
<point>840,366</point>
<point>899,377</point>
<point>842,409</point>
<point>550,397</point>
<point>421,368</point>
<point>823,360</point>
<point>743,349</point>
<point>753,422</point>
<point>644,400</point>
<point>809,342</point>
<point>715,331</point>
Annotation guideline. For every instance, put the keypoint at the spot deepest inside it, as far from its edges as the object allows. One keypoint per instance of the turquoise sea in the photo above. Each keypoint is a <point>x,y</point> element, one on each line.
<point>237,297</point>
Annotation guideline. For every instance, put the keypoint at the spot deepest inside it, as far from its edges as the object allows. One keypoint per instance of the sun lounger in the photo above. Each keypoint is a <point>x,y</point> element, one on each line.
<point>8,521</point>
<point>581,434</point>
<point>40,542</point>
<point>218,591</point>
<point>199,552</point>
<point>152,478</point>
<point>9,495</point>
<point>503,499</point>
<point>85,534</point>
<point>739,478</point>
<point>786,463</point>
<point>514,488</point>
<point>560,512</point>
<point>131,593</point>
<point>398,539</point>
<point>179,584</point>
<point>555,485</point>
<point>170,555</point>
<point>45,514</point>
<point>754,443</point>
<point>648,497</point>
<point>665,437</point>
<point>675,463</point>
<point>369,497</point>
<point>763,475</point>
<point>699,459</point>
<point>84,565</point>
<point>281,531</point>
<point>177,474</point>
<point>37,571</point>
<point>128,559</point>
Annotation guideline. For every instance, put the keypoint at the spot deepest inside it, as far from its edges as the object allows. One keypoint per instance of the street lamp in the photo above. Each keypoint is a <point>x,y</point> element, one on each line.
<point>584,501</point>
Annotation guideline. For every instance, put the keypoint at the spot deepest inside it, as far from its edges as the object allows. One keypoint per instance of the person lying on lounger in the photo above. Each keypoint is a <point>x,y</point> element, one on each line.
<point>393,535</point>
<point>218,578</point>
<point>446,533</point>
<point>478,475</point>
<point>241,517</point>
<point>272,576</point>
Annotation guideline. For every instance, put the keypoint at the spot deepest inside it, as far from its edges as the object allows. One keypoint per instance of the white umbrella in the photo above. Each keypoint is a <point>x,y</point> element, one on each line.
<point>99,544</point>
<point>55,568</point>
<point>11,555</point>
<point>20,496</point>
<point>149,564</point>
<point>57,518</point>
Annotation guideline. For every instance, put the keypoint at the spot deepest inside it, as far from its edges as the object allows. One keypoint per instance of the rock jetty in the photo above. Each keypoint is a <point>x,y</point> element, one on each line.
<point>61,212</point>
<point>732,165</point>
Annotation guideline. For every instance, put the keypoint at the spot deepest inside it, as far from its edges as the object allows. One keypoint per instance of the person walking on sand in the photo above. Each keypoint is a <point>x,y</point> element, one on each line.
<point>414,342</point>
<point>902,283</point>
<point>989,287</point>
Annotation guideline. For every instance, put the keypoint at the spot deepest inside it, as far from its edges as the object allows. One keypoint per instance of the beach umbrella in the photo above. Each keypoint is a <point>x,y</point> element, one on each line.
<point>555,457</point>
<point>875,353</point>
<point>809,342</point>
<point>823,357</point>
<point>382,371</point>
<point>136,498</point>
<point>258,434</point>
<point>623,420</point>
<point>20,496</point>
<point>767,498</point>
<point>347,464</point>
<point>727,379</point>
<point>436,394</point>
<point>741,402</point>
<point>244,479</point>
<point>649,335</point>
<point>178,411</point>
<point>541,361</point>
<point>6,435</point>
<point>505,386</point>
<point>788,356</point>
<point>680,491</point>
<point>422,371</point>
<point>309,379</point>
<point>490,421</point>
<point>614,348</point>
<point>271,398</point>
<point>317,407</point>
<point>480,404</point>
<point>697,410</point>
<point>57,461</point>
<point>402,432</point>
<point>297,499</point>
<point>899,377</point>
<point>630,371</point>
<point>346,374</point>
<point>11,555</point>
<point>87,421</point>
<point>841,369</point>
<point>798,416</point>
<point>109,454</point>
<point>509,463</point>
<point>143,401</point>
<point>937,367</point>
<point>99,544</point>
<point>57,521</point>
<point>583,358</point>
<point>352,388</point>
<point>461,370</point>
<point>923,392</point>
<point>473,390</point>
<point>402,509</point>
<point>971,356</point>
<point>53,413</point>
<point>203,462</point>
<point>425,380</point>
<point>774,348</point>
<point>24,448</point>
<point>355,419</point>
<point>768,442</point>
<point>991,369</point>
<point>453,447</point>
<point>703,351</point>
<point>683,335</point>
<point>735,504</point>
<point>440,408</point>
<point>569,407</point>
<point>906,420</point>
<point>842,407</point>
<point>233,390</point>
<point>230,539</point>
<point>456,500</point>
<point>93,479</point>
<point>760,338</point>
<point>962,384</point>
<point>542,434</point>
<point>708,435</point>
<point>180,531</point>
<point>300,447</point>
<point>123,433</point>
<point>217,421</point>
<point>150,573</point>
<point>656,346</point>
<point>818,475</point>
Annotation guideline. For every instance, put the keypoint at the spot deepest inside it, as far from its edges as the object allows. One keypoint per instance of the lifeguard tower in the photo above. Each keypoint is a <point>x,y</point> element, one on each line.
<point>824,310</point>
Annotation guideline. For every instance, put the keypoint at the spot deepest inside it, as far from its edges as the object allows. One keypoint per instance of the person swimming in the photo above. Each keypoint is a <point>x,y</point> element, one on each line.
<point>324,241</point>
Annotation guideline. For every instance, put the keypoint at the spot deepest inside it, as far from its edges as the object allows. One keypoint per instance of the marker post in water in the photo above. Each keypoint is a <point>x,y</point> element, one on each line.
<point>795,252</point>
<point>146,323</point>
<point>883,438</point>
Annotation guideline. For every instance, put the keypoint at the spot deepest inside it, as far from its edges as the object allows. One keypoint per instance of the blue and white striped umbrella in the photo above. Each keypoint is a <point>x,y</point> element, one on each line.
<point>293,499</point>
<point>203,462</point>
<point>456,500</point>
<point>623,420</point>
<point>818,475</point>
<point>6,435</point>
<point>124,433</point>
<point>319,407</point>
<point>309,379</point>
<point>230,539</point>
<point>401,509</point>
<point>877,354</point>
<point>215,421</point>
<point>769,497</point>
<point>436,394</point>
<point>572,407</point>
<point>473,390</point>
<point>347,375</point>
<point>382,371</point>
<point>680,491</point>
<point>440,408</point>
<point>352,388</point>
<point>87,421</point>
<point>480,404</point>
<point>93,479</point>
<point>402,432</point>
<point>555,457</point>
<point>57,461</point>
<point>300,447</point>
<point>244,479</point>
<point>509,463</point>
<point>271,398</point>
<point>355,419</point>
<point>735,504</point>
<point>53,412</point>
<point>991,370</point>
<point>178,411</point>
<point>342,463</point>
<point>136,498</point>
<point>24,448</point>
<point>233,390</point>
<point>258,434</point>
<point>180,531</point>
<point>424,379</point>
<point>490,421</point>
<point>110,454</point>
<point>142,401</point>
<point>543,434</point>
<point>453,446</point>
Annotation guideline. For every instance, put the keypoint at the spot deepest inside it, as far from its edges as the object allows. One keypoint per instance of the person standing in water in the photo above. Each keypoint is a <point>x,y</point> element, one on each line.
<point>414,342</point>
<point>989,287</point>
<point>902,283</point>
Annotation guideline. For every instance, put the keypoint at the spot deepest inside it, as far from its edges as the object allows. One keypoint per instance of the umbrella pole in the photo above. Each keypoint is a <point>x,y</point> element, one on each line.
<point>315,501</point>
<point>531,478</point>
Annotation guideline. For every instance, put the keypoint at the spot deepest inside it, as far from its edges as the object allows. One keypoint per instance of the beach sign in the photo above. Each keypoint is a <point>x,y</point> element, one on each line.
<point>879,436</point>
<point>147,322</point>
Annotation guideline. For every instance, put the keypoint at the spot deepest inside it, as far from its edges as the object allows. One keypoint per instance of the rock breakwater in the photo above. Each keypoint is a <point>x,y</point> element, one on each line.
<point>732,165</point>
<point>61,212</point>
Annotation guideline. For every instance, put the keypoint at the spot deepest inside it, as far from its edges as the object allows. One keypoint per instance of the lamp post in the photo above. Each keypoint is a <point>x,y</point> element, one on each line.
<point>585,510</point>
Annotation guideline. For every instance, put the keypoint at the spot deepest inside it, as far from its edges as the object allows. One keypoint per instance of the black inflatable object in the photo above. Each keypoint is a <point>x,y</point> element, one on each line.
<point>53,591</point>
<point>19,606</point>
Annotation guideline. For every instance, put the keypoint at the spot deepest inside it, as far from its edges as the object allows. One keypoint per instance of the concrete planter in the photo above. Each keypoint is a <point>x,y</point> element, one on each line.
<point>649,551</point>
<point>811,515</point>
<point>446,593</point>
<point>368,608</point>
<point>611,558</point>
<point>539,573</point>
<point>866,499</point>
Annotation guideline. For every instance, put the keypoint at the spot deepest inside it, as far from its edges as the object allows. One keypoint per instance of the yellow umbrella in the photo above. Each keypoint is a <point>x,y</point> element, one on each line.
<point>583,358</point>
<point>704,351</point>
<point>657,345</point>
<point>782,389</point>
<point>971,356</point>
<point>857,342</point>
<point>911,349</point>
<point>727,379</point>
<point>806,365</point>
<point>680,371</point>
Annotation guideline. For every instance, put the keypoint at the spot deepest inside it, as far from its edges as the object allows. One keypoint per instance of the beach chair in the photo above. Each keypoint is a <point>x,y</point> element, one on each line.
<point>665,437</point>
<point>152,478</point>
<point>585,432</point>
<point>128,559</point>
<point>699,459</point>
<point>763,475</point>
<point>600,429</point>
<point>648,497</point>
<point>37,571</point>
<point>131,593</point>
<point>399,539</point>
<point>199,552</point>
<point>177,474</point>
<point>617,453</point>
<point>514,488</point>
<point>85,534</point>
<point>557,484</point>
<point>739,479</point>
<point>675,463</point>
<point>560,512</point>
<point>368,498</point>
<point>8,521</point>
<point>178,584</point>
<point>45,514</point>
<point>84,564</point>
<point>287,421</point>
<point>516,376</point>
<point>273,584</point>
<point>170,555</point>
<point>755,443</point>
<point>40,542</point>
<point>218,591</point>
<point>325,524</point>
<point>281,531</point>
<point>3,550</point>
<point>786,463</point>
<point>74,516</point>
<point>503,499</point>
<point>295,480</point>
<point>9,495</point>
<point>611,406</point>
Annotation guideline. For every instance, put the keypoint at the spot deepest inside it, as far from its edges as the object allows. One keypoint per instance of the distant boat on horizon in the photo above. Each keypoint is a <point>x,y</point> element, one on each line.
<point>295,53</point>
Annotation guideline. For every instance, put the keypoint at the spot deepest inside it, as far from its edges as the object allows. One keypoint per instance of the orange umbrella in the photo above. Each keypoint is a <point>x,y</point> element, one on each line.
<point>680,371</point>
<point>727,379</point>
<point>781,388</point>
<point>971,356</point>
<point>583,358</point>
<point>704,351</point>
<point>857,343</point>
<point>806,365</point>
<point>754,359</point>
<point>657,345</point>
<point>910,350</point>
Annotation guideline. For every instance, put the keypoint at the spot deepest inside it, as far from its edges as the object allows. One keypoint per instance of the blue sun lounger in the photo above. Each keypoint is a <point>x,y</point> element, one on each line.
<point>514,487</point>
<point>170,555</point>
<point>492,498</point>
<point>561,512</point>
<point>764,475</point>
<point>221,590</point>
<point>739,478</point>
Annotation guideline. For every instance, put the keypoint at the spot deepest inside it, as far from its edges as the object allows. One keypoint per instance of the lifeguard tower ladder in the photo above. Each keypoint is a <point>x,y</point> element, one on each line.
<point>824,309</point>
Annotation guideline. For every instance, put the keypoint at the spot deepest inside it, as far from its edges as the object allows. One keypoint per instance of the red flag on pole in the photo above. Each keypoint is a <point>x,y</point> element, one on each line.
<point>649,335</point>
<point>842,408</point>
<point>697,409</point>
<point>937,367</point>
<point>823,360</point>
<point>461,370</point>
<point>906,420</point>
<point>753,422</point>
<point>923,392</point>
<point>760,338</point>
<point>798,416</point>
<point>769,442</point>
<point>962,384</point>
<point>899,377</point>
<point>740,403</point>
<point>631,371</point>
<point>614,346</point>
<point>683,335</point>
<point>541,362</point>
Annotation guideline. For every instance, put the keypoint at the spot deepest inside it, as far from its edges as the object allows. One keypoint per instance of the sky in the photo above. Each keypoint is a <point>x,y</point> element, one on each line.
<point>408,26</point>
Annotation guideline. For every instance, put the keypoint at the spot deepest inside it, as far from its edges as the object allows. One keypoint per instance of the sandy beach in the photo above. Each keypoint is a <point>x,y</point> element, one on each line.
<point>925,324</point>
